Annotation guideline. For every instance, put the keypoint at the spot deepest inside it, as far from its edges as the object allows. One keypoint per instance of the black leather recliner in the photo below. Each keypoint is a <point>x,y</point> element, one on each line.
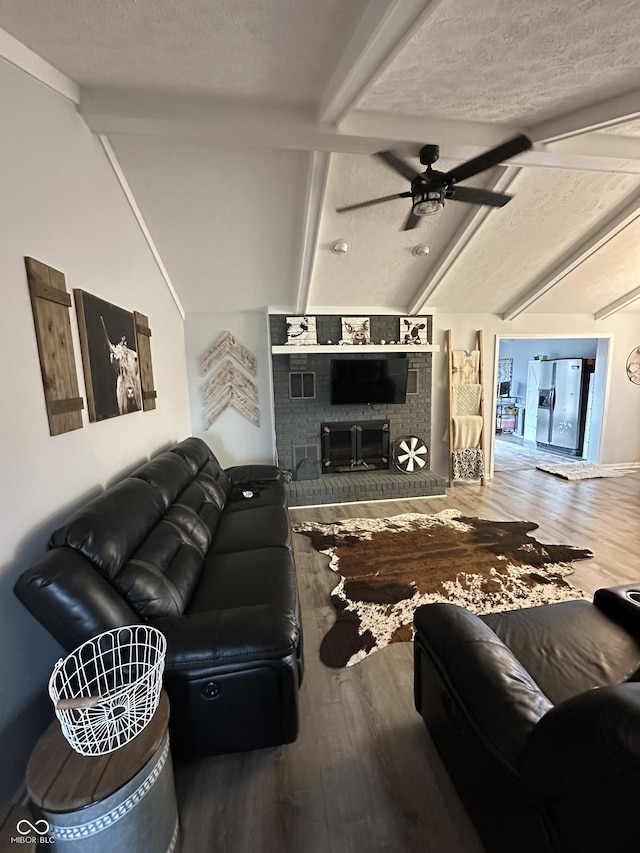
<point>171,546</point>
<point>536,715</point>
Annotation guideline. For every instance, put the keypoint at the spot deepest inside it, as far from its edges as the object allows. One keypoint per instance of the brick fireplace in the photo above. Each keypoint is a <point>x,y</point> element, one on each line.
<point>299,420</point>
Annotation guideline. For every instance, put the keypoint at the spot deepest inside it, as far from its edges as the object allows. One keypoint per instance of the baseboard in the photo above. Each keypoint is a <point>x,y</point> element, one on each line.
<point>375,501</point>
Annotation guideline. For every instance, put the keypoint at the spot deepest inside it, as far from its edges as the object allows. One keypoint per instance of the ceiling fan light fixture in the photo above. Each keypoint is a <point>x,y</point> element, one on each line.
<point>427,202</point>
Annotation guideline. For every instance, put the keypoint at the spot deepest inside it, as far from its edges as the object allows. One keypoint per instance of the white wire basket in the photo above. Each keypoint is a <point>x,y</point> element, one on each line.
<point>108,689</point>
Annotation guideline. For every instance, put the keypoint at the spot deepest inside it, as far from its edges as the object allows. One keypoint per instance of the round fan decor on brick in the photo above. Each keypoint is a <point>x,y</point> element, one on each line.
<point>410,454</point>
<point>387,567</point>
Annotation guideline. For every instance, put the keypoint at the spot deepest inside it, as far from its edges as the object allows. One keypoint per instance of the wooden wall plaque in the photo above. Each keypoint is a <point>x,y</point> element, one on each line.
<point>50,304</point>
<point>143,345</point>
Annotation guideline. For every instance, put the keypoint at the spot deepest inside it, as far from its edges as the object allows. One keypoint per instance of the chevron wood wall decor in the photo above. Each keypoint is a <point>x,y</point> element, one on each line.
<point>228,374</point>
<point>230,396</point>
<point>229,362</point>
<point>228,345</point>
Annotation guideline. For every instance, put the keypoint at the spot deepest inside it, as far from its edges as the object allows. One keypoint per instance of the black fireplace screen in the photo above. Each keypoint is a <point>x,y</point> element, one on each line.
<point>355,446</point>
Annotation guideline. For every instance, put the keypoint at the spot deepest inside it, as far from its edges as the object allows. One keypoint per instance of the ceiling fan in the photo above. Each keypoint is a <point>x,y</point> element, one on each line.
<point>429,189</point>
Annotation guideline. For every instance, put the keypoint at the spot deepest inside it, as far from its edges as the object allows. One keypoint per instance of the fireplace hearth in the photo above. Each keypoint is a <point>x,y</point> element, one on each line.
<point>350,447</point>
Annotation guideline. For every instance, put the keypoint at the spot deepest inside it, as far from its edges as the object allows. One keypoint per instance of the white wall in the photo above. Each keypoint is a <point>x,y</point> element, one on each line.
<point>232,437</point>
<point>227,221</point>
<point>61,204</point>
<point>620,442</point>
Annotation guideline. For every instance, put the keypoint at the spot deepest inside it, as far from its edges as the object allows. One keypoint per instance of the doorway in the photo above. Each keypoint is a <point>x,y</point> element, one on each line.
<point>514,443</point>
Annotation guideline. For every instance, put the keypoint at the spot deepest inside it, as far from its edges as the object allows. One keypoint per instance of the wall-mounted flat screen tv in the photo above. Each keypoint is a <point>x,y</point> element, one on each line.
<point>369,381</point>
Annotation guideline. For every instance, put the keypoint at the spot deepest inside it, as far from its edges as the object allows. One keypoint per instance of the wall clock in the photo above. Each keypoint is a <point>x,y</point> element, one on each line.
<point>633,366</point>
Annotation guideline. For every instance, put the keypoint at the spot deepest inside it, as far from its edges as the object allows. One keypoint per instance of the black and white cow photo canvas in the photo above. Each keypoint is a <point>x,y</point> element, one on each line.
<point>109,356</point>
<point>413,330</point>
<point>301,331</point>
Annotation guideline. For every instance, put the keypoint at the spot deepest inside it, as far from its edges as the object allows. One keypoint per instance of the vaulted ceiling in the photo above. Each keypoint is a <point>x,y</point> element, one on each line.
<point>238,127</point>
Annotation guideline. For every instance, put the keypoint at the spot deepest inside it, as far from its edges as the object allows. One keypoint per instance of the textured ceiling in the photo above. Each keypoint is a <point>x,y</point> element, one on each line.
<point>628,128</point>
<point>516,62</point>
<point>279,50</point>
<point>380,261</point>
<point>215,108</point>
<point>550,212</point>
<point>609,270</point>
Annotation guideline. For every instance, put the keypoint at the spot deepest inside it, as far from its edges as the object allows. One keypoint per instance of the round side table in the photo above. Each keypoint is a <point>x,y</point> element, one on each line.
<point>119,802</point>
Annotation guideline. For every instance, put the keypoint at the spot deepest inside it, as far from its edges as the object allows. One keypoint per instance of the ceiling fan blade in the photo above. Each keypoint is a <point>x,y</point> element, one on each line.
<point>412,221</point>
<point>372,201</point>
<point>403,168</point>
<point>516,145</point>
<point>478,196</point>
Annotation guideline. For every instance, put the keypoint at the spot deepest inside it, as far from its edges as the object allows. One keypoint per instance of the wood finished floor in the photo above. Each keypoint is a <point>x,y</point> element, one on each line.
<point>364,776</point>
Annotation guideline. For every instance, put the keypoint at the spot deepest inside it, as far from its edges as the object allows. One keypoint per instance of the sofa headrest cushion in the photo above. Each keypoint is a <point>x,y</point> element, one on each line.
<point>109,529</point>
<point>212,469</point>
<point>196,515</point>
<point>214,491</point>
<point>160,577</point>
<point>194,451</point>
<point>168,473</point>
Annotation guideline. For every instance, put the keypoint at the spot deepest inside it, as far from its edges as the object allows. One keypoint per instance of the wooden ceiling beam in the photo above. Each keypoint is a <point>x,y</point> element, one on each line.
<point>593,117</point>
<point>618,305</point>
<point>18,54</point>
<point>317,173</point>
<point>224,122</point>
<point>384,29</point>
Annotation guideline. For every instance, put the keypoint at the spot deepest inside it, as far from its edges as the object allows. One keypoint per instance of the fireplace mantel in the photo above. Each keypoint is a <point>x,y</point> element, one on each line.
<point>285,349</point>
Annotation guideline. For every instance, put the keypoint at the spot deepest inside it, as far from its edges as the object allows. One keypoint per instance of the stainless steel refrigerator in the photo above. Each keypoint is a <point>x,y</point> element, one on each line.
<point>562,405</point>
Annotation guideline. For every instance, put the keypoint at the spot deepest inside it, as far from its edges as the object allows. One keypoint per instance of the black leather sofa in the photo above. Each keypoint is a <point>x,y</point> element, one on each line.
<point>536,715</point>
<point>178,546</point>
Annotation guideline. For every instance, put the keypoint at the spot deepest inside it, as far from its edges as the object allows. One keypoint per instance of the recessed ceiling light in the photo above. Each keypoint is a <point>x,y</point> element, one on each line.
<point>421,250</point>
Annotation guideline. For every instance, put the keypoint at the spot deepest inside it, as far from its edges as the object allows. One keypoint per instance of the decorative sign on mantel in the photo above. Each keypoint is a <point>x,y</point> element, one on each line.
<point>356,330</point>
<point>232,367</point>
<point>413,330</point>
<point>301,331</point>
<point>327,333</point>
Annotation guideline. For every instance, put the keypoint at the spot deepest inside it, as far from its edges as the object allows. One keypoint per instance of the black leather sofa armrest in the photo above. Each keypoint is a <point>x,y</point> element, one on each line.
<point>239,474</point>
<point>71,598</point>
<point>622,604</point>
<point>584,741</point>
<point>235,636</point>
<point>492,692</point>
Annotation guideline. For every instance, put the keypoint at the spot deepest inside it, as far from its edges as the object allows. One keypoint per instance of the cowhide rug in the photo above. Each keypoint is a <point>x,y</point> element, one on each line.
<point>390,566</point>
